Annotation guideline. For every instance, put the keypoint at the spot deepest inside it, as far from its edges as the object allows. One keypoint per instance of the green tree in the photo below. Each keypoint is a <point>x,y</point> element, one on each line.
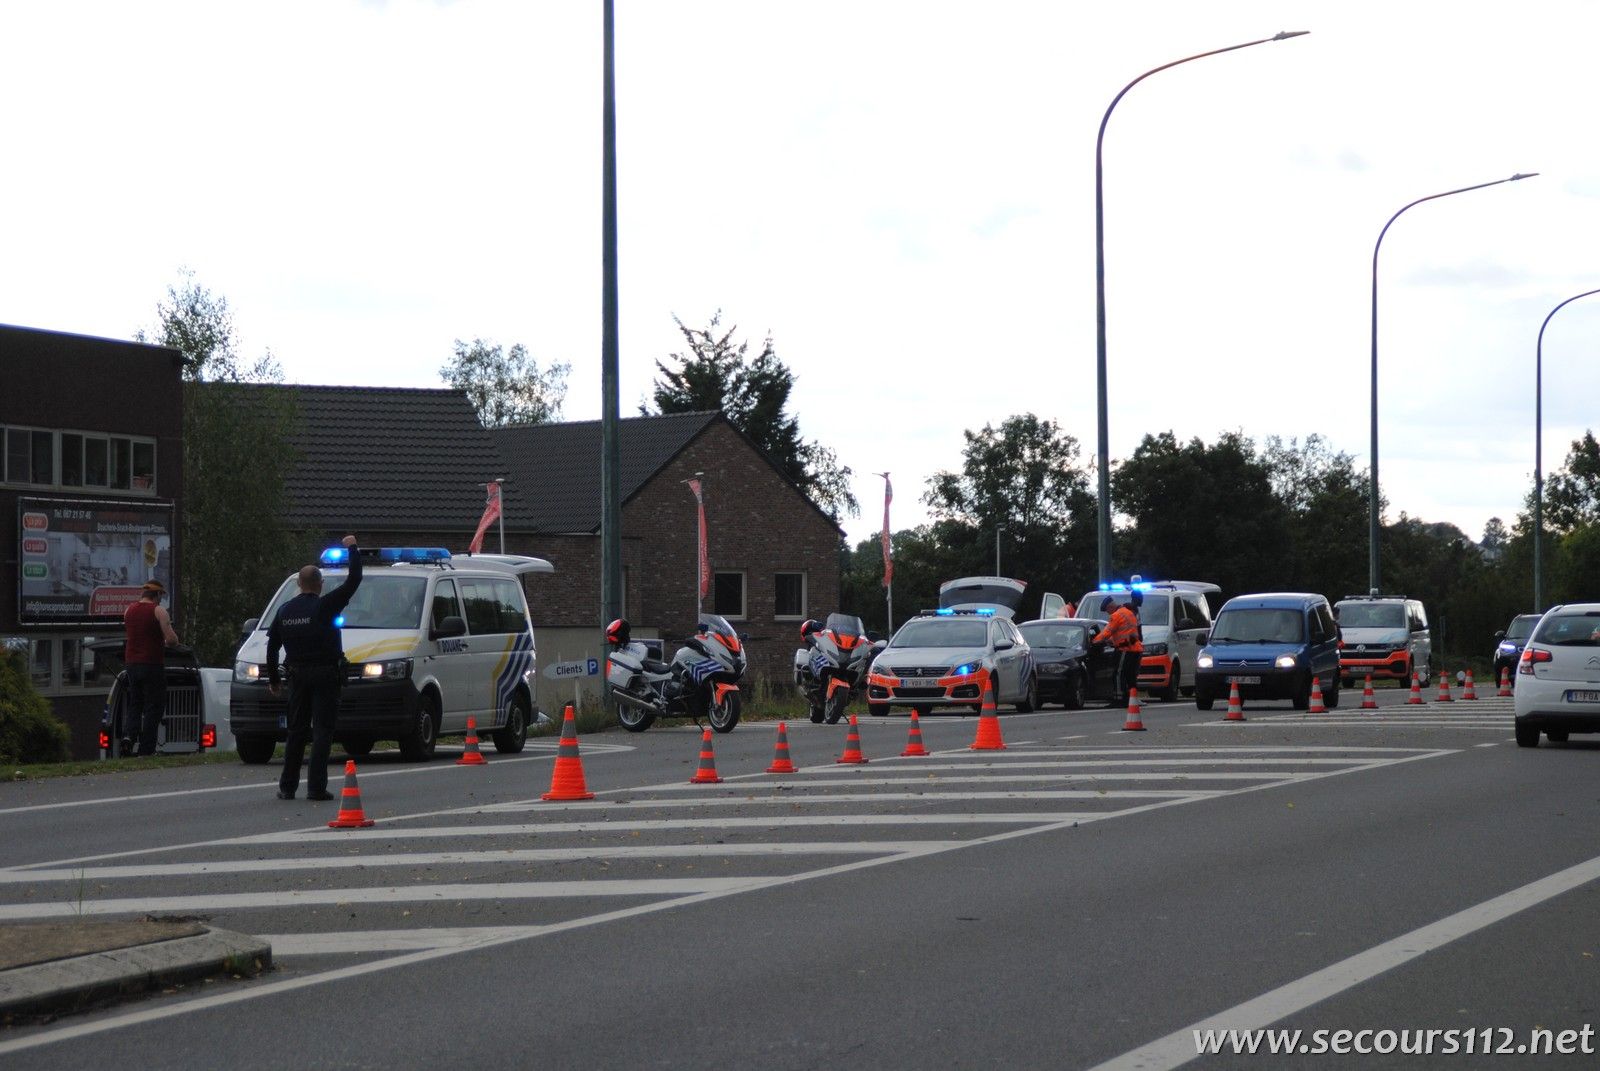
<point>29,731</point>
<point>1326,501</point>
<point>718,373</point>
<point>235,546</point>
<point>1572,494</point>
<point>506,387</point>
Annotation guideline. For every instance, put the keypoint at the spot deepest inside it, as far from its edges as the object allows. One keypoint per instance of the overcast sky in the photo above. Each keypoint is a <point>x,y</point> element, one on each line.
<point>900,193</point>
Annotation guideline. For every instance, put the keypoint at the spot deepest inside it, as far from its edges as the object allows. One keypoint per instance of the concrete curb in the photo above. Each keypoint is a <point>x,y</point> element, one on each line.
<point>68,984</point>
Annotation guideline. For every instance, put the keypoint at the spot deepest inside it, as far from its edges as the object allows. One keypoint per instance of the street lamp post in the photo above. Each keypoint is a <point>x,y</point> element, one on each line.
<point>1103,439</point>
<point>1538,455</point>
<point>997,530</point>
<point>1372,489</point>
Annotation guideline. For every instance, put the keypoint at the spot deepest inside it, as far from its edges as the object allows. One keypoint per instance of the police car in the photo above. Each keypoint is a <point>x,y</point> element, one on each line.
<point>429,640</point>
<point>940,658</point>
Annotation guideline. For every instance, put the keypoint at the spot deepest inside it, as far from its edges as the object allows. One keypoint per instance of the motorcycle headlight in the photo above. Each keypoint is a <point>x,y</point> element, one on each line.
<point>1204,661</point>
<point>1155,648</point>
<point>1285,661</point>
<point>393,670</point>
<point>247,672</point>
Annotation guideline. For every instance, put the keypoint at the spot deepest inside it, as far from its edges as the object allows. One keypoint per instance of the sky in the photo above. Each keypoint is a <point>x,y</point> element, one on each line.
<point>899,193</point>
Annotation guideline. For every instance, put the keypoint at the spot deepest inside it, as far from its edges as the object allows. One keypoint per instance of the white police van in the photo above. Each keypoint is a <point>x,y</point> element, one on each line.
<point>429,640</point>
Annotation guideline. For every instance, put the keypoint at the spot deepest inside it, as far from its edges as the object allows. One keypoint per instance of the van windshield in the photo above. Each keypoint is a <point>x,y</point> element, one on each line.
<point>1154,611</point>
<point>1258,625</point>
<point>380,602</point>
<point>1372,615</point>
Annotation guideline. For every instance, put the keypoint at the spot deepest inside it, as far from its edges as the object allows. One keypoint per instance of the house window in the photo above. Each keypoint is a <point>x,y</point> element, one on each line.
<point>727,594</point>
<point>114,462</point>
<point>788,595</point>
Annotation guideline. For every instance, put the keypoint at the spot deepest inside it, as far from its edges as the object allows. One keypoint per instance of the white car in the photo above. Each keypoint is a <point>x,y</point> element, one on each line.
<point>1558,677</point>
<point>942,658</point>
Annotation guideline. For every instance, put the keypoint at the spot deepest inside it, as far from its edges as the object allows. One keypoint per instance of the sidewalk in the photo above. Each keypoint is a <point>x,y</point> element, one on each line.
<point>54,967</point>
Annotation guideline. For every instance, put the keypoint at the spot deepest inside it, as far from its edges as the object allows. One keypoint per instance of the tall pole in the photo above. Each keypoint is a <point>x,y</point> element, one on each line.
<point>1103,438</point>
<point>997,530</point>
<point>700,541</point>
<point>1372,489</point>
<point>1538,455</point>
<point>610,450</point>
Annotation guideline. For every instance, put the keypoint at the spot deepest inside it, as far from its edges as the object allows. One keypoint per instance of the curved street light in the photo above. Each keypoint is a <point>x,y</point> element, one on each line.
<point>1372,490</point>
<point>1538,454</point>
<point>1102,442</point>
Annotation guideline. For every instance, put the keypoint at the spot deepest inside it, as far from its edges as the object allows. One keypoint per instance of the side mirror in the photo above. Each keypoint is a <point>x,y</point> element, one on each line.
<point>255,622</point>
<point>1500,635</point>
<point>450,626</point>
<point>1003,645</point>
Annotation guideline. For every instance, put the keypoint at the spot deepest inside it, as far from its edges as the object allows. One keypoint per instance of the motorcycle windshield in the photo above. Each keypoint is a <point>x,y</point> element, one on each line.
<point>717,626</point>
<point>846,625</point>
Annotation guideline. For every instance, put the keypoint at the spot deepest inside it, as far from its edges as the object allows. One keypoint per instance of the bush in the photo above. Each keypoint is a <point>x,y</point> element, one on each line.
<point>29,732</point>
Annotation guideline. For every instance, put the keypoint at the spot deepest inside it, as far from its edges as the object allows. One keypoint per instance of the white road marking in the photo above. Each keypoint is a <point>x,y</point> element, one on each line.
<point>1178,1048</point>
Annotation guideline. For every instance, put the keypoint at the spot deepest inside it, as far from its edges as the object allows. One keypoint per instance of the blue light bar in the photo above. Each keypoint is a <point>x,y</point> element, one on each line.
<point>1138,585</point>
<point>944,611</point>
<point>413,555</point>
<point>336,556</point>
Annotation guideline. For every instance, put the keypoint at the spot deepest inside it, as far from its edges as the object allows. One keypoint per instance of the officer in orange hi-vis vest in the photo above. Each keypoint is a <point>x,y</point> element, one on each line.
<point>1122,630</point>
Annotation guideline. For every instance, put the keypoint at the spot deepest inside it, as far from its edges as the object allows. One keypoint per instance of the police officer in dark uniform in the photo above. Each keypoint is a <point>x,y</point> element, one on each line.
<point>314,658</point>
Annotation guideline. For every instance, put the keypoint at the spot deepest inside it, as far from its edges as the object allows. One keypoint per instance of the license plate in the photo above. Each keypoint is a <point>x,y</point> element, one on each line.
<point>919,682</point>
<point>1583,697</point>
<point>1244,680</point>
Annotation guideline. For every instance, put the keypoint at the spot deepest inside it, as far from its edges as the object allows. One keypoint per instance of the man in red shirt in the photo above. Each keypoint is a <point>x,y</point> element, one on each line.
<point>149,631</point>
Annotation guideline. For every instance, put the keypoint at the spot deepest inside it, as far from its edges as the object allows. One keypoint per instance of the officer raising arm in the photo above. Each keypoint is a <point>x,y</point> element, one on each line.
<point>306,631</point>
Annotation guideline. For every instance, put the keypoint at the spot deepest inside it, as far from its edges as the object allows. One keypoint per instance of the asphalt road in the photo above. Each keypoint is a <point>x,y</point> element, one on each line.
<point>1081,899</point>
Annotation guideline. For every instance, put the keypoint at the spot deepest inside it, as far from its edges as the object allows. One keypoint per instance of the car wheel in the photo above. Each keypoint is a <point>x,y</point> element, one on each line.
<point>1169,694</point>
<point>1073,699</point>
<point>1331,700</point>
<point>418,746</point>
<point>255,750</point>
<point>1557,736</point>
<point>1029,701</point>
<point>1527,735</point>
<point>357,749</point>
<point>1203,699</point>
<point>514,736</point>
<point>878,710</point>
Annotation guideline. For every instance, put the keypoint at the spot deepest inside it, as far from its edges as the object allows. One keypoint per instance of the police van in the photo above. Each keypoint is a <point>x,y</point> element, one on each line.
<point>429,640</point>
<point>1174,622</point>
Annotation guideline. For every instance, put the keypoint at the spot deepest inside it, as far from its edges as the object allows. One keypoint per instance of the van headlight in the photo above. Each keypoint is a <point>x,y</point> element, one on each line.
<point>246,672</point>
<point>1285,661</point>
<point>1204,661</point>
<point>395,669</point>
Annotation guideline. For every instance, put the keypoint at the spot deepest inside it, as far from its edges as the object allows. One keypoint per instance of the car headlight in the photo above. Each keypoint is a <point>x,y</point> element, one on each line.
<point>966,669</point>
<point>1155,648</point>
<point>1507,648</point>
<point>1285,661</point>
<point>1204,661</point>
<point>393,670</point>
<point>246,672</point>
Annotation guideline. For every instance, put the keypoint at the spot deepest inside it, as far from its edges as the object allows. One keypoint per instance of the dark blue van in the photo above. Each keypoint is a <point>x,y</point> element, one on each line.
<point>1271,645</point>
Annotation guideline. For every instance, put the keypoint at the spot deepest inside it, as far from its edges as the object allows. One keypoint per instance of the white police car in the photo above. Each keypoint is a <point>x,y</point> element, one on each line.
<point>429,640</point>
<point>941,658</point>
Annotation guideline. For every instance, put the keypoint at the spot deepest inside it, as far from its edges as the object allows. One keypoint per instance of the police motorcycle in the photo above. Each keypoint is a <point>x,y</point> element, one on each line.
<point>830,666</point>
<point>701,681</point>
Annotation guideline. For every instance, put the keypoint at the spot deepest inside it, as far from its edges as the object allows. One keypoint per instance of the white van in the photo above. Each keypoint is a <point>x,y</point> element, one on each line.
<point>1174,623</point>
<point>428,640</point>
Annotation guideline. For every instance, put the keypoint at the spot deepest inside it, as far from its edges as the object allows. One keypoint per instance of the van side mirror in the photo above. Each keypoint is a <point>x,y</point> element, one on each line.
<point>1500,635</point>
<point>255,622</point>
<point>450,626</point>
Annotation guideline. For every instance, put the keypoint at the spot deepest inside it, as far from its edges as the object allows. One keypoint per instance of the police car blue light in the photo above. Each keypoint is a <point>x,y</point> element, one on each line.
<point>336,556</point>
<point>338,622</point>
<point>413,555</point>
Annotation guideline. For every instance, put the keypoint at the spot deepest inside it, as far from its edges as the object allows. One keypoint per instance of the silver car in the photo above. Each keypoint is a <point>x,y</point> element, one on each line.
<point>941,659</point>
<point>1558,676</point>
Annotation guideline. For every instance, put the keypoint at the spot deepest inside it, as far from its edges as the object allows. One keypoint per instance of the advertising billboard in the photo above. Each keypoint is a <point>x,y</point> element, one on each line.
<point>82,562</point>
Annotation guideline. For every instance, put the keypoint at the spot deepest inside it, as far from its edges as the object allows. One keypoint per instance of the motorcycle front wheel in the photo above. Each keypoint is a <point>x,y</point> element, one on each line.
<point>724,716</point>
<point>635,719</point>
<point>835,706</point>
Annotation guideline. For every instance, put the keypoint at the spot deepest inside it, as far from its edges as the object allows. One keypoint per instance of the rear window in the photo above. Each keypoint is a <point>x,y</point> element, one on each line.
<point>1259,625</point>
<point>1372,615</point>
<point>1569,630</point>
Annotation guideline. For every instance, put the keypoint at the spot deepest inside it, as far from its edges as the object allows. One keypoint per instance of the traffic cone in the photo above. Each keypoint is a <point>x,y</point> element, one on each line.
<point>1317,706</point>
<point>472,756</point>
<point>1235,704</point>
<point>1368,700</point>
<point>1444,689</point>
<point>988,738</point>
<point>351,816</point>
<point>852,747</point>
<point>1133,723</point>
<point>707,773</point>
<point>1416,692</point>
<point>1469,692</point>
<point>566,777</point>
<point>914,740</point>
<point>780,754</point>
<point>1505,683</point>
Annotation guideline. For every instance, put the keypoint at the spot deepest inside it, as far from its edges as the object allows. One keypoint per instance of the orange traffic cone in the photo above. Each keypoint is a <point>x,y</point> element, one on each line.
<point>1235,704</point>
<point>1444,690</point>
<point>1505,683</point>
<point>1469,692</point>
<point>1368,700</point>
<point>988,738</point>
<point>1317,705</point>
<point>914,739</point>
<point>351,816</point>
<point>852,747</point>
<point>1133,723</point>
<point>707,772</point>
<point>1416,692</point>
<point>780,754</point>
<point>566,777</point>
<point>472,756</point>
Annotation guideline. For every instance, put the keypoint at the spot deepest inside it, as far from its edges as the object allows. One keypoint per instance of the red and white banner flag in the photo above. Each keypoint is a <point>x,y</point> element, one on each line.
<point>491,513</point>
<point>705,562</point>
<point>888,559</point>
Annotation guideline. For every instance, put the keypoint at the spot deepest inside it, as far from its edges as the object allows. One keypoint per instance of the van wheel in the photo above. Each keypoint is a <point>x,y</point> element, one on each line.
<point>255,750</point>
<point>510,740</point>
<point>1331,700</point>
<point>1169,694</point>
<point>419,745</point>
<point>1203,700</point>
<point>357,749</point>
<point>1302,695</point>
